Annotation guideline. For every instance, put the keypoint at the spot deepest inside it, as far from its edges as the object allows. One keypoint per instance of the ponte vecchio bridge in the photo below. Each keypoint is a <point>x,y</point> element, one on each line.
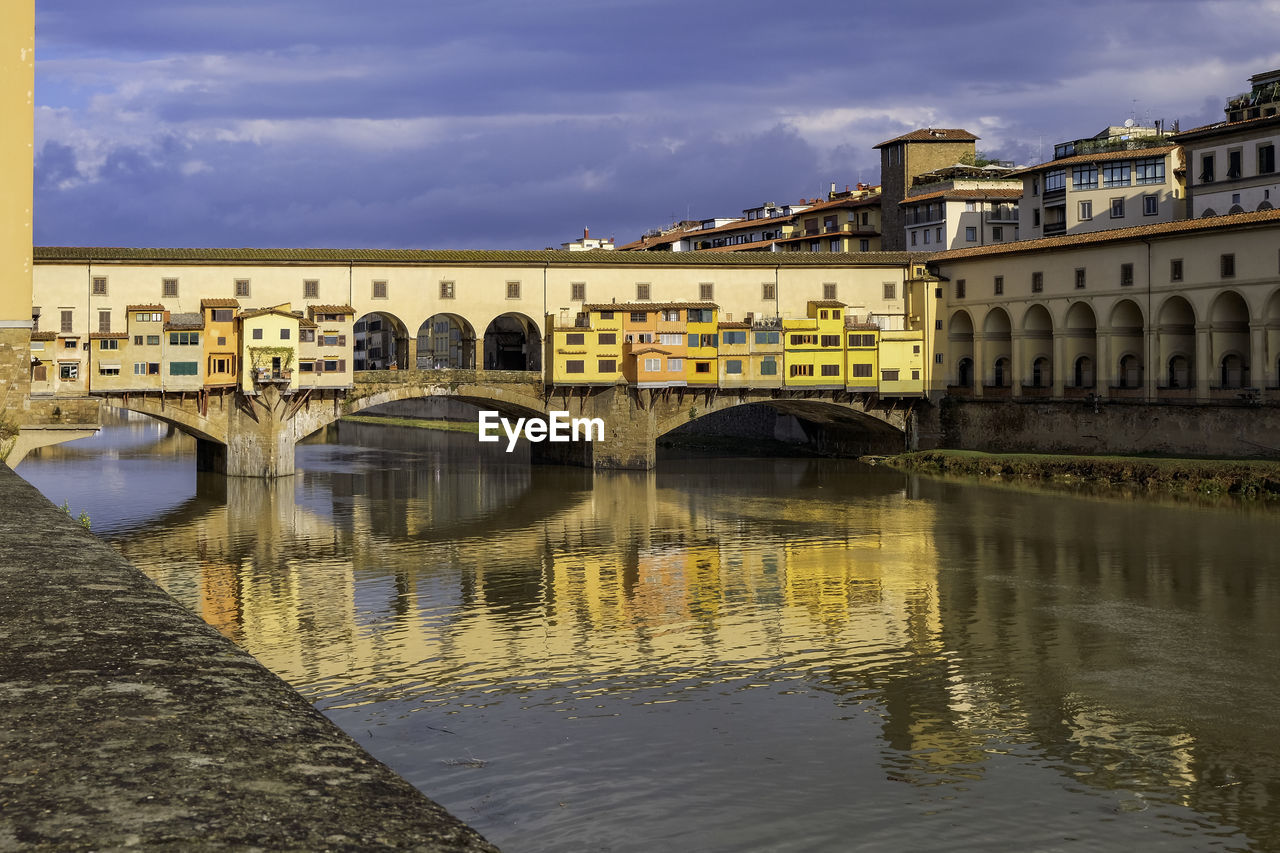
<point>467,325</point>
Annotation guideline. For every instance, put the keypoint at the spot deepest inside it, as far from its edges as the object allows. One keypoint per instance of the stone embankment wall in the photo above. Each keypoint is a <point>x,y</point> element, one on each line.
<point>126,721</point>
<point>1103,428</point>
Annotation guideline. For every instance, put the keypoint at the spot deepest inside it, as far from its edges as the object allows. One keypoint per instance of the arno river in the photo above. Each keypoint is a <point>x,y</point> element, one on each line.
<point>735,655</point>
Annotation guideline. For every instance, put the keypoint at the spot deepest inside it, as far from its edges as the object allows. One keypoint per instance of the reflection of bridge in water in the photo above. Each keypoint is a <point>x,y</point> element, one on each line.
<point>951,625</point>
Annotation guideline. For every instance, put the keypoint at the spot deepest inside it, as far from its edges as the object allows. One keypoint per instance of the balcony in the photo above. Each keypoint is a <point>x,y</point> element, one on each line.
<point>1054,229</point>
<point>1003,213</point>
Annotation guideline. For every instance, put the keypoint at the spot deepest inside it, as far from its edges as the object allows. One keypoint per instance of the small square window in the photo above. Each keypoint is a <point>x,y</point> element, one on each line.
<point>937,358</point>
<point>1126,275</point>
<point>890,290</point>
<point>999,285</point>
<point>447,290</point>
<point>311,289</point>
<point>1175,269</point>
<point>242,288</point>
<point>1227,265</point>
<point>284,334</point>
<point>1079,278</point>
<point>959,288</point>
<point>578,291</point>
<point>1150,205</point>
<point>1086,210</point>
<point>380,290</point>
<point>513,290</point>
<point>1037,282</point>
<point>997,233</point>
<point>970,234</point>
<point>767,291</point>
<point>829,290</point>
<point>169,288</point>
<point>642,290</point>
<point>706,291</point>
<point>1117,208</point>
<point>99,285</point>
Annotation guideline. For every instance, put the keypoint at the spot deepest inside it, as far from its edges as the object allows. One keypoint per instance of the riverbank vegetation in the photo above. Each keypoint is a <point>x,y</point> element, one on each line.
<point>1253,479</point>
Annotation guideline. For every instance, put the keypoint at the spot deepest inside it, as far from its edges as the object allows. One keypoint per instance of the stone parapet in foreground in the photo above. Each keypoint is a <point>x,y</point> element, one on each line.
<point>126,721</point>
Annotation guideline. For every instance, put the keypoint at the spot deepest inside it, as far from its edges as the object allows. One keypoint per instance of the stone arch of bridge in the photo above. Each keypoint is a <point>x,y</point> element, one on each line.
<point>511,403</point>
<point>192,423</point>
<point>883,422</point>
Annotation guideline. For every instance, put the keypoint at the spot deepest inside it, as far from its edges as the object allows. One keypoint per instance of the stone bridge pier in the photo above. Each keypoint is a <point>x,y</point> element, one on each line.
<point>253,435</point>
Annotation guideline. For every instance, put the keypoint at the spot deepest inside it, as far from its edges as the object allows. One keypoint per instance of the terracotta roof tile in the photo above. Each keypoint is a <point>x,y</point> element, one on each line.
<point>44,336</point>
<point>933,134</point>
<point>646,306</point>
<point>330,309</point>
<point>556,258</point>
<point>110,336</point>
<point>1097,157</point>
<point>152,307</point>
<point>1182,226</point>
<point>259,312</point>
<point>220,303</point>
<point>826,303</point>
<point>1224,127</point>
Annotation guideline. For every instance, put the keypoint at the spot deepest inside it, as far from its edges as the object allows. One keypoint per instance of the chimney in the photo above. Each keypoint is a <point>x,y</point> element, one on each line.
<point>586,232</point>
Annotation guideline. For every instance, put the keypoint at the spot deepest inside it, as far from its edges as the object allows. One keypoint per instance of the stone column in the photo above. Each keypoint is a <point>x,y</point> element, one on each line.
<point>1104,371</point>
<point>979,364</point>
<point>1258,358</point>
<point>1151,363</point>
<point>1060,367</point>
<point>260,435</point>
<point>630,432</point>
<point>1204,360</point>
<point>1018,368</point>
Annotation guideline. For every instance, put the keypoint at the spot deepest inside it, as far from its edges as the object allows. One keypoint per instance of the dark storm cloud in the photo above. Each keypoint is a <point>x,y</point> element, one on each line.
<point>500,124</point>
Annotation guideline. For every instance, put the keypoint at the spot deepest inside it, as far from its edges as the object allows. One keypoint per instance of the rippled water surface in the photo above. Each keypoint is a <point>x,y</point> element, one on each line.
<point>735,655</point>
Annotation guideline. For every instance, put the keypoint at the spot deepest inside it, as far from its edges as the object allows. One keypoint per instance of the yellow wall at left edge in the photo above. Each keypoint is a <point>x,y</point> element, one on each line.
<point>17,79</point>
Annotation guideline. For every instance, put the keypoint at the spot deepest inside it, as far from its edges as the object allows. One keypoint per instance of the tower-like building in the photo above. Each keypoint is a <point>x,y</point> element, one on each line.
<point>907,156</point>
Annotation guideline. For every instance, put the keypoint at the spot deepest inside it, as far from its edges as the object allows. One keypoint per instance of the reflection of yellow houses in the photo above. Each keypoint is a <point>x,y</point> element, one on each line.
<point>220,344</point>
<point>814,347</point>
<point>269,347</point>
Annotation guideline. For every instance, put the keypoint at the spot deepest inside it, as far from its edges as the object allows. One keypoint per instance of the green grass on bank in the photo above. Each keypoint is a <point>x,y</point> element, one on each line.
<point>1240,477</point>
<point>417,423</point>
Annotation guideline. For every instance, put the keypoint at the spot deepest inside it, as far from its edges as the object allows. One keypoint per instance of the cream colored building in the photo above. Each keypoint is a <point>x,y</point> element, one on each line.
<point>1186,310</point>
<point>1123,177</point>
<point>17,84</point>
<point>1231,165</point>
<point>960,215</point>
<point>479,294</point>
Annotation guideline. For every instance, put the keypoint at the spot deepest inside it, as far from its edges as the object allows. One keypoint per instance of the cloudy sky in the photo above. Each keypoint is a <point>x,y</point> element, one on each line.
<point>514,124</point>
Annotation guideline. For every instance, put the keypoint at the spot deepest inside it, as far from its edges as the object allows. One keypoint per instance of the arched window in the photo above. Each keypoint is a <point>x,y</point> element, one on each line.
<point>1084,372</point>
<point>1002,373</point>
<point>1179,372</point>
<point>1130,372</point>
<point>1235,373</point>
<point>964,373</point>
<point>1041,373</point>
